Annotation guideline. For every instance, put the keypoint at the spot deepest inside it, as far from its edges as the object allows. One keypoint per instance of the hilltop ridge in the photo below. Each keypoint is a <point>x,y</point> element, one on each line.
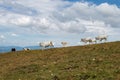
<point>89,62</point>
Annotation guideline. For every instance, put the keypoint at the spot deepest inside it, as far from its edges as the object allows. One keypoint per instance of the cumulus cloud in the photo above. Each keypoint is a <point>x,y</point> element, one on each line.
<point>21,21</point>
<point>108,10</point>
<point>46,16</point>
<point>13,7</point>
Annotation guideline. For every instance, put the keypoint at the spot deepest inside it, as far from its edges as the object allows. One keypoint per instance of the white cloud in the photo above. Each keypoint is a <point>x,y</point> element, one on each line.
<point>21,21</point>
<point>13,34</point>
<point>13,7</point>
<point>108,10</point>
<point>59,16</point>
<point>67,16</point>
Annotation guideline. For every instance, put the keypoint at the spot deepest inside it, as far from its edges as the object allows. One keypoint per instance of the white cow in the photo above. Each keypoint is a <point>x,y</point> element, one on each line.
<point>46,44</point>
<point>26,49</point>
<point>101,37</point>
<point>88,40</point>
<point>64,44</point>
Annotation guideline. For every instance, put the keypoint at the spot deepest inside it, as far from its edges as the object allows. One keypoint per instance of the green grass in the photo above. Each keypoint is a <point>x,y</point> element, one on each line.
<point>90,62</point>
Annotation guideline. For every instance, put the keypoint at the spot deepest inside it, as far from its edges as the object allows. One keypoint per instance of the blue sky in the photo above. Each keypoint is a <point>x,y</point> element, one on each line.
<point>25,23</point>
<point>116,2</point>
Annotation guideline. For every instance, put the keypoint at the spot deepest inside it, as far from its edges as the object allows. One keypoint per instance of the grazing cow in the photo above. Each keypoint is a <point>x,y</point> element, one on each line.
<point>86,40</point>
<point>46,44</point>
<point>13,49</point>
<point>64,44</point>
<point>101,37</point>
<point>26,49</point>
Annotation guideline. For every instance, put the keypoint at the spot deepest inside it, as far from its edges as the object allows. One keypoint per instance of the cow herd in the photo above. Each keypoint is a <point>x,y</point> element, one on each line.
<point>85,40</point>
<point>94,40</point>
<point>64,44</point>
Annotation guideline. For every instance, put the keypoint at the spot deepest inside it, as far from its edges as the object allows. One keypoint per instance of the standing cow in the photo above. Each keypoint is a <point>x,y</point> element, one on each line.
<point>26,49</point>
<point>88,40</point>
<point>13,49</point>
<point>64,44</point>
<point>101,37</point>
<point>46,44</point>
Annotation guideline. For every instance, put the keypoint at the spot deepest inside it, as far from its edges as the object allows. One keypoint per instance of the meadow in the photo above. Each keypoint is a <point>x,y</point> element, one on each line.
<point>89,62</point>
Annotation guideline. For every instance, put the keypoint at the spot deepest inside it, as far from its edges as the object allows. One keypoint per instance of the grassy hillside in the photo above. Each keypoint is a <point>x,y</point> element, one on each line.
<point>90,62</point>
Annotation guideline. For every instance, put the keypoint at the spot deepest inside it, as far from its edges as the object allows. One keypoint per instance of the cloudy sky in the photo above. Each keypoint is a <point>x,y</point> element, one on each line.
<point>28,22</point>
